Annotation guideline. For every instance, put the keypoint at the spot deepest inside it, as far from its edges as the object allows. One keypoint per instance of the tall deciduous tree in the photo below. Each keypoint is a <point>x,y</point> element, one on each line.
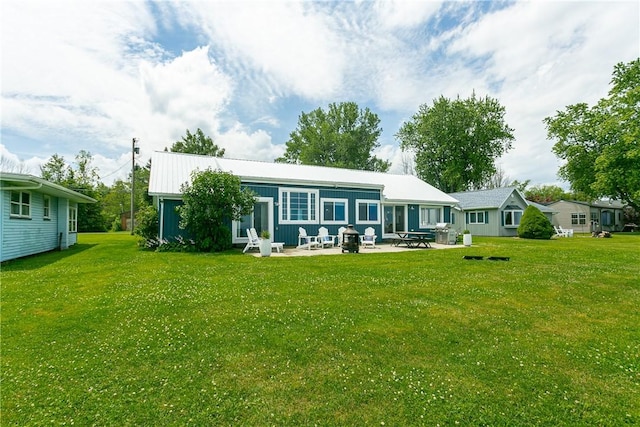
<point>210,202</point>
<point>601,144</point>
<point>546,194</point>
<point>343,136</point>
<point>457,142</point>
<point>197,143</point>
<point>82,178</point>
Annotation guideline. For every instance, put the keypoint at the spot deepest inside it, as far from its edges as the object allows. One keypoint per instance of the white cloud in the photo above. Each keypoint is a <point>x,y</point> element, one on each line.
<point>285,44</point>
<point>241,144</point>
<point>92,75</point>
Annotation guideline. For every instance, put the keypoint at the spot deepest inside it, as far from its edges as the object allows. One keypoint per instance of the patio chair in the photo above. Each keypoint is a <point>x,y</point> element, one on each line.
<point>254,240</point>
<point>306,241</point>
<point>340,231</point>
<point>326,239</point>
<point>560,232</point>
<point>567,231</point>
<point>368,239</point>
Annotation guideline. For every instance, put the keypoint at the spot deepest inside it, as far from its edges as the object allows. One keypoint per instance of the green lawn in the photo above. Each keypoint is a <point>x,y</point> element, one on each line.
<point>105,334</point>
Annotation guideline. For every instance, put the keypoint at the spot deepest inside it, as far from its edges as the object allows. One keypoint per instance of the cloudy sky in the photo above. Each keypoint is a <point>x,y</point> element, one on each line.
<point>91,75</point>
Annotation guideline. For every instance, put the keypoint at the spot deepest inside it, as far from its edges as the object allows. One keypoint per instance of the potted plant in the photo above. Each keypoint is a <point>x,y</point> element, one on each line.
<point>265,243</point>
<point>466,238</point>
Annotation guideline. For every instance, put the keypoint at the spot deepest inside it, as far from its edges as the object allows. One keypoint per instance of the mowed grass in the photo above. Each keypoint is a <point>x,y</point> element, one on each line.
<point>106,334</point>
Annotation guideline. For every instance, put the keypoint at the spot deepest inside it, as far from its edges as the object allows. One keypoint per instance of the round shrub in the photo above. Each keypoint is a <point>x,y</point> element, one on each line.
<point>534,225</point>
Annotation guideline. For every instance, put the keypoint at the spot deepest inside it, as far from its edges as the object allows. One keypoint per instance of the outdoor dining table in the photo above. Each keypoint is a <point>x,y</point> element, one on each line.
<point>413,239</point>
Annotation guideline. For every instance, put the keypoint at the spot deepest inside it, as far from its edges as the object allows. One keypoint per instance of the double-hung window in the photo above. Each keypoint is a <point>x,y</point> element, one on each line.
<point>334,211</point>
<point>368,212</point>
<point>73,219</point>
<point>298,206</point>
<point>46,207</point>
<point>20,204</point>
<point>429,216</point>
<point>578,218</point>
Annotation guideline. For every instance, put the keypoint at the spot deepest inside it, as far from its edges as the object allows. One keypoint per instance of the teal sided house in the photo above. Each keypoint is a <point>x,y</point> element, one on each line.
<point>292,196</point>
<point>37,215</point>
<point>495,212</point>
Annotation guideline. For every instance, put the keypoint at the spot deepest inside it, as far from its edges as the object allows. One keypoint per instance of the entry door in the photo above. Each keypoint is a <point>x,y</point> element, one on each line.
<point>395,219</point>
<point>261,219</point>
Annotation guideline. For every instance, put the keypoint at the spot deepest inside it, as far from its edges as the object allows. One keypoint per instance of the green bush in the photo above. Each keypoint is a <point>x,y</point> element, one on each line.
<point>534,225</point>
<point>212,200</point>
<point>147,223</point>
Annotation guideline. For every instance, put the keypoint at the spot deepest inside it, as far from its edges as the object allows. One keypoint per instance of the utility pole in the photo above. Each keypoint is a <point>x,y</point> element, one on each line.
<point>134,150</point>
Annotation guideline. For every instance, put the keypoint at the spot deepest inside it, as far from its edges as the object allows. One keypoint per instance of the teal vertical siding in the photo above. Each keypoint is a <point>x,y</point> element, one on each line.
<point>171,220</point>
<point>287,233</point>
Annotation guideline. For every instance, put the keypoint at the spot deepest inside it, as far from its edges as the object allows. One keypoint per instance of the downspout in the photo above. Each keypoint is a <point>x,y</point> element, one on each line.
<point>161,219</point>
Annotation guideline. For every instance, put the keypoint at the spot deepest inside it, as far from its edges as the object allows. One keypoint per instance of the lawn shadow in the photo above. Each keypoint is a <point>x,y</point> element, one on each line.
<point>35,261</point>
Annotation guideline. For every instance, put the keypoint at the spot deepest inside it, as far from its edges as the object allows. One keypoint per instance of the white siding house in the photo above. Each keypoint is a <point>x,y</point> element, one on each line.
<point>36,215</point>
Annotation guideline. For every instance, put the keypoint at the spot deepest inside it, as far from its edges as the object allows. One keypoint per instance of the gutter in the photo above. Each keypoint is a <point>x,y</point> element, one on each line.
<point>37,187</point>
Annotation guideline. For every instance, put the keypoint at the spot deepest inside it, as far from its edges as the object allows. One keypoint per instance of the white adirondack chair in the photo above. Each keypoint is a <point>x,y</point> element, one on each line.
<point>254,240</point>
<point>560,232</point>
<point>368,239</point>
<point>324,238</point>
<point>340,231</point>
<point>568,231</point>
<point>306,241</point>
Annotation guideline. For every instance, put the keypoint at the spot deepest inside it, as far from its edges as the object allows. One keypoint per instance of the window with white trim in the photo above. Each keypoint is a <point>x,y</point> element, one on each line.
<point>46,207</point>
<point>73,219</point>
<point>578,218</point>
<point>20,204</point>
<point>429,216</point>
<point>298,206</point>
<point>334,211</point>
<point>368,212</point>
<point>512,217</point>
<point>477,217</point>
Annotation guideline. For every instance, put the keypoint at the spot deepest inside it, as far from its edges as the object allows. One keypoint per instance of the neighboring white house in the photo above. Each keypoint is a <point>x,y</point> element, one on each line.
<point>36,215</point>
<point>495,212</point>
<point>292,196</point>
<point>585,217</point>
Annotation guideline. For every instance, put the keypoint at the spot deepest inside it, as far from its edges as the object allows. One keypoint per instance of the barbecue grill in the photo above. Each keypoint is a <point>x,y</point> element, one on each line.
<point>445,235</point>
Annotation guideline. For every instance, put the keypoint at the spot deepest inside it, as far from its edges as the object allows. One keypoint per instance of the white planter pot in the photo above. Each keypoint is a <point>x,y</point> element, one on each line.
<point>466,239</point>
<point>265,247</point>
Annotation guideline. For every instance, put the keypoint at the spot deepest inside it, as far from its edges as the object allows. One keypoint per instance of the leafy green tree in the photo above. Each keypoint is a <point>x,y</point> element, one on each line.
<point>197,143</point>
<point>601,144</point>
<point>534,225</point>
<point>210,203</point>
<point>55,170</point>
<point>82,178</point>
<point>343,137</point>
<point>546,194</point>
<point>456,142</point>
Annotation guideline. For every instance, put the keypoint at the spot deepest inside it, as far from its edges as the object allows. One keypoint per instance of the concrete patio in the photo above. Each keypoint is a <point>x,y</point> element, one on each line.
<point>380,248</point>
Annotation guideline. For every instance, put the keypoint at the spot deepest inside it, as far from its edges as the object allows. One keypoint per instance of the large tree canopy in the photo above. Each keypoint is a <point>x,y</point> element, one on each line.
<point>210,202</point>
<point>601,144</point>
<point>197,143</point>
<point>83,179</point>
<point>456,142</point>
<point>344,136</point>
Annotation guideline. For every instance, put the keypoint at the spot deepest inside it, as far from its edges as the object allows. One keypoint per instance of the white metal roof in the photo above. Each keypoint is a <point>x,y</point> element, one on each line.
<point>170,170</point>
